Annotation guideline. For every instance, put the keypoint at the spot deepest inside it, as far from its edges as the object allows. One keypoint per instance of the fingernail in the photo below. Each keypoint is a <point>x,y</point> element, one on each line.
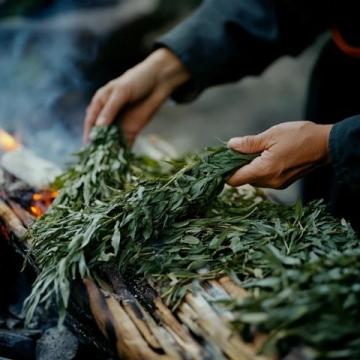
<point>101,120</point>
<point>232,142</point>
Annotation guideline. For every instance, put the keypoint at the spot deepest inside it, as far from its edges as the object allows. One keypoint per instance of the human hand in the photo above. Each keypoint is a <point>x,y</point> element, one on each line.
<point>287,152</point>
<point>138,94</point>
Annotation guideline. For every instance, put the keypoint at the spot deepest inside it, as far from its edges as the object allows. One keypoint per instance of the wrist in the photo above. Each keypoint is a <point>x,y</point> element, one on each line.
<point>169,70</point>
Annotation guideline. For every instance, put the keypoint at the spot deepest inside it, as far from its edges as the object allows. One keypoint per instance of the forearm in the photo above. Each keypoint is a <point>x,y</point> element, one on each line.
<point>224,41</point>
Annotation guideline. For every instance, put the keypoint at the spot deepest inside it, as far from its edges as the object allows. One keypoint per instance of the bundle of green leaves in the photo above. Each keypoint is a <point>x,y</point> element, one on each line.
<point>91,222</point>
<point>101,166</point>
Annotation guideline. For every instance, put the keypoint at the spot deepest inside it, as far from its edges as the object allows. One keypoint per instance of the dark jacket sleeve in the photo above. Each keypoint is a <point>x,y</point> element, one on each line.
<point>345,152</point>
<point>225,40</point>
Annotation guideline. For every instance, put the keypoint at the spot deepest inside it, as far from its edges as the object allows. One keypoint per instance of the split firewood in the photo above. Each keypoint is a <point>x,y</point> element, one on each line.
<point>133,309</point>
<point>178,330</point>
<point>205,317</point>
<point>159,327</point>
<point>26,218</point>
<point>11,220</point>
<point>226,288</point>
<point>233,289</point>
<point>119,328</point>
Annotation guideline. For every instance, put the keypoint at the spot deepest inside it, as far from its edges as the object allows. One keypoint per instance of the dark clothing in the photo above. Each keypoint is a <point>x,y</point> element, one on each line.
<point>332,97</point>
<point>345,157</point>
<point>345,152</point>
<point>225,40</point>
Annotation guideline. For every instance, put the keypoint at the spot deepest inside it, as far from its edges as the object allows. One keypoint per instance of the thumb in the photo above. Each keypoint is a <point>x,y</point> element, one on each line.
<point>248,144</point>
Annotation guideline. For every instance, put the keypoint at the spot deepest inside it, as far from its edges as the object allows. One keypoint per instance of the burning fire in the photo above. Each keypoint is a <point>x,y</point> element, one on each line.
<point>8,142</point>
<point>41,201</point>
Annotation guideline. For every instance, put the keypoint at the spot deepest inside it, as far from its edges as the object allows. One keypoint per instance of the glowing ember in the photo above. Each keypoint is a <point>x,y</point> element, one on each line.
<point>36,210</point>
<point>8,142</point>
<point>41,202</point>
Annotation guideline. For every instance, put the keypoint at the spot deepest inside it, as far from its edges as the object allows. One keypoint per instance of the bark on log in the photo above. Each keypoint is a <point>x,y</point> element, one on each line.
<point>11,220</point>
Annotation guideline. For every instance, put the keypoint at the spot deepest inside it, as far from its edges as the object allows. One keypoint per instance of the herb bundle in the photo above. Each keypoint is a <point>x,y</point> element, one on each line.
<point>74,239</point>
<point>101,166</point>
<point>300,266</point>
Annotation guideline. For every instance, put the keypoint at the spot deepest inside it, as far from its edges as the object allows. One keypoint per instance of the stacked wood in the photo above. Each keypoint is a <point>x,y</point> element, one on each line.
<point>134,319</point>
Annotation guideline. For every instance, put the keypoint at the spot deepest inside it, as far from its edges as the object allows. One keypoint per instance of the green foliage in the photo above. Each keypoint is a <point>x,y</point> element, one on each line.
<point>101,166</point>
<point>87,227</point>
<point>167,223</point>
<point>300,266</point>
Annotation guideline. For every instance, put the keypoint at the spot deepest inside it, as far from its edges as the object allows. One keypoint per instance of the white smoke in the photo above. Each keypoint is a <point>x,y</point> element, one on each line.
<point>42,90</point>
<point>43,93</point>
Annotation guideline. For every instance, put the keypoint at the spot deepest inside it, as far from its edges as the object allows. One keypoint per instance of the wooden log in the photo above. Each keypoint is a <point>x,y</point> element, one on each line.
<point>118,327</point>
<point>232,288</point>
<point>133,309</point>
<point>236,291</point>
<point>11,220</point>
<point>221,334</point>
<point>26,218</point>
<point>190,317</point>
<point>166,332</point>
<point>178,330</point>
<point>157,310</point>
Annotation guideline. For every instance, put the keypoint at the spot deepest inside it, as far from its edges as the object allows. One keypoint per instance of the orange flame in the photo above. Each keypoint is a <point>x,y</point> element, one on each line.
<point>41,201</point>
<point>8,142</point>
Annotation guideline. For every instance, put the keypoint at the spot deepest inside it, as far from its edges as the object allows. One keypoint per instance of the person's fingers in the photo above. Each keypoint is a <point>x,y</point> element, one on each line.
<point>138,116</point>
<point>248,144</point>
<point>112,107</point>
<point>93,111</point>
<point>91,115</point>
<point>263,174</point>
<point>250,174</point>
<point>294,174</point>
